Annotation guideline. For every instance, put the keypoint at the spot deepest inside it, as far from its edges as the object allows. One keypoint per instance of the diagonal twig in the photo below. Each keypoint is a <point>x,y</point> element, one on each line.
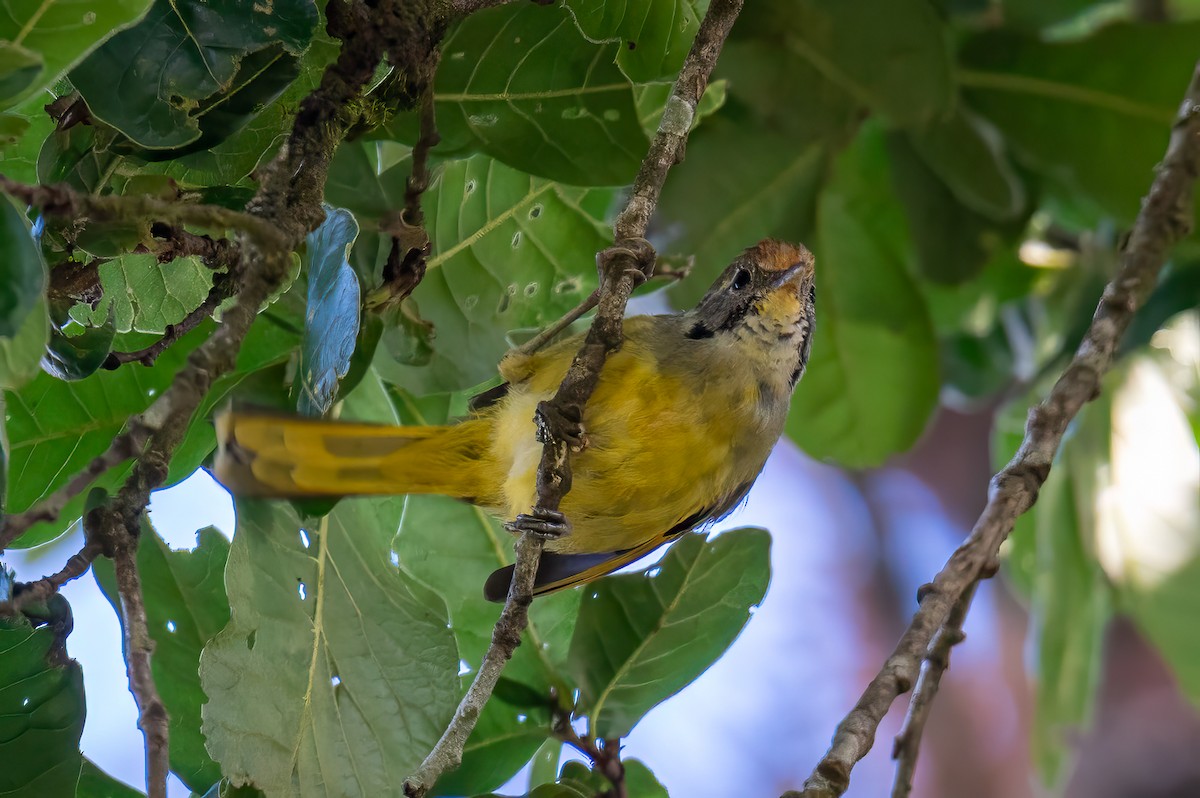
<point>1165,218</point>
<point>623,266</point>
<point>937,660</point>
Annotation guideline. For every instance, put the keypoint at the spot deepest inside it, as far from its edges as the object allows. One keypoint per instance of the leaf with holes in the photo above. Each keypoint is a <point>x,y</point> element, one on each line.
<point>654,36</point>
<point>39,41</point>
<point>145,295</point>
<point>521,84</point>
<point>331,319</point>
<point>510,252</point>
<point>642,637</point>
<point>185,608</point>
<point>872,381</point>
<point>41,707</point>
<point>192,73</point>
<point>338,667</point>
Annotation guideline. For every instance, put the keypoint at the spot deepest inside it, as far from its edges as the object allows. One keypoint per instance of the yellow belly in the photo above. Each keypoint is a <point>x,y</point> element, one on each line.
<point>660,448</point>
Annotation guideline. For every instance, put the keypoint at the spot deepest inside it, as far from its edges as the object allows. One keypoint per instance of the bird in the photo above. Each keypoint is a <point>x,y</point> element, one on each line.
<point>680,425</point>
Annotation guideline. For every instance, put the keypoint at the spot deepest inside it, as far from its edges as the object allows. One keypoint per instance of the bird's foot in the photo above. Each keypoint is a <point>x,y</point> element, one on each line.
<point>638,250</point>
<point>564,424</point>
<point>546,524</point>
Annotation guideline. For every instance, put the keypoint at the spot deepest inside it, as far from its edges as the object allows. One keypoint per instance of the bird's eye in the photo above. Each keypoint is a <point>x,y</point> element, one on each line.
<point>741,280</point>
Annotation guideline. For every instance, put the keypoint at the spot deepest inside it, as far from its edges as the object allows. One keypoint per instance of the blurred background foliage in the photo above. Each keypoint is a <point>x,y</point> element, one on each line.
<point>964,171</point>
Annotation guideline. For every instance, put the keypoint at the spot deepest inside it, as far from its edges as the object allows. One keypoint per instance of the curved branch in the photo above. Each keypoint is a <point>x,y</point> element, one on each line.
<point>1165,218</point>
<point>622,267</point>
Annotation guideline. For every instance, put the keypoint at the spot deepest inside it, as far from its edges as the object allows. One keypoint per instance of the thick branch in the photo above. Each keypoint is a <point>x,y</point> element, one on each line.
<point>908,741</point>
<point>1165,218</point>
<point>622,268</point>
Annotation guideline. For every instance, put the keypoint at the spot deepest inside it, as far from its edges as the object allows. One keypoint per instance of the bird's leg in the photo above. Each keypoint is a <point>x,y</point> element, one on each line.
<point>547,524</point>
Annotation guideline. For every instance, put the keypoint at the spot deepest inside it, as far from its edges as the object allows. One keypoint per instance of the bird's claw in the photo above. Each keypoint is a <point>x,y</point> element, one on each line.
<point>546,524</point>
<point>564,424</point>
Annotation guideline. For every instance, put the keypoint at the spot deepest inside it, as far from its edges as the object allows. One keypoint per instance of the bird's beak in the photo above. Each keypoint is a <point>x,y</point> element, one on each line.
<point>786,275</point>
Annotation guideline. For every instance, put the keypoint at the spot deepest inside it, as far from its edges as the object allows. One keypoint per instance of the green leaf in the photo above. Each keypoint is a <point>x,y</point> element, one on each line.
<point>21,355</point>
<point>55,428</point>
<point>639,781</point>
<point>653,36</point>
<point>193,72</point>
<point>521,84</point>
<point>145,295</point>
<point>95,783</point>
<point>1074,114</point>
<point>39,41</point>
<point>510,252</point>
<point>544,766</point>
<point>24,130</point>
<point>452,548</point>
<point>872,381</point>
<point>22,270</point>
<point>331,321</point>
<point>1071,608</point>
<point>337,667</point>
<point>41,709</point>
<point>951,240</point>
<point>231,161</point>
<point>641,638</point>
<point>967,155</point>
<point>892,57</point>
<point>185,608</point>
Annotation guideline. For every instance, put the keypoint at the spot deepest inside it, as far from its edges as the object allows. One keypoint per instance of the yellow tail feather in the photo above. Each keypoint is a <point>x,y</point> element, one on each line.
<point>260,454</point>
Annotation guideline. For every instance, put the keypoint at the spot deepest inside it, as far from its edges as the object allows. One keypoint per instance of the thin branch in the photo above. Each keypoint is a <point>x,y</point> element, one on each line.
<point>139,646</point>
<point>908,741</point>
<point>622,267</point>
<point>36,592</point>
<point>605,755</point>
<point>176,242</point>
<point>1165,218</point>
<point>551,332</point>
<point>61,200</point>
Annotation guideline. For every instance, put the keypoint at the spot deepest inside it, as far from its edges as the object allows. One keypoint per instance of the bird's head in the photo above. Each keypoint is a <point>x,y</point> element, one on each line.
<point>766,297</point>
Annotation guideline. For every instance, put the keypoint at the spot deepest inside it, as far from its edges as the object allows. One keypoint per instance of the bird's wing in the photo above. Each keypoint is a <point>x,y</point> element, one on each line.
<point>561,571</point>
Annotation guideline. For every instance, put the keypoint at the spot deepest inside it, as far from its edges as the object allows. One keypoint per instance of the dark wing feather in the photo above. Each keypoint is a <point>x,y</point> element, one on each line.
<point>487,398</point>
<point>561,571</point>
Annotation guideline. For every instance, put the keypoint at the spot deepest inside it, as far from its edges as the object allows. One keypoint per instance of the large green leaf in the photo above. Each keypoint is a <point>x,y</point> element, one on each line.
<point>22,132</point>
<point>55,427</point>
<point>331,319</point>
<point>892,57</point>
<point>40,40</point>
<point>521,84</point>
<point>872,381</point>
<point>41,707</point>
<point>21,355</point>
<point>185,608</point>
<point>509,251</point>
<point>452,548</point>
<point>193,72</point>
<point>1076,112</point>
<point>641,638</point>
<point>337,667</point>
<point>654,35</point>
<point>22,271</point>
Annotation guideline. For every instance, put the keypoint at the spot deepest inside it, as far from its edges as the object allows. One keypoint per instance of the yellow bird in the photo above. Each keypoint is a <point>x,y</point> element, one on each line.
<point>677,431</point>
